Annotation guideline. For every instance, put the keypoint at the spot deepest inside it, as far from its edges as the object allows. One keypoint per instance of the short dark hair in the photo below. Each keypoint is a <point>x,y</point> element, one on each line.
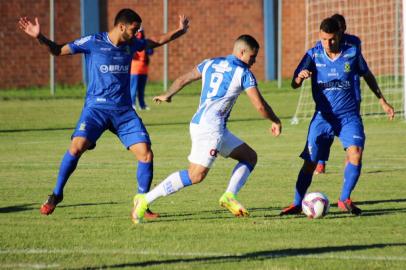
<point>341,21</point>
<point>330,26</point>
<point>249,40</point>
<point>127,16</point>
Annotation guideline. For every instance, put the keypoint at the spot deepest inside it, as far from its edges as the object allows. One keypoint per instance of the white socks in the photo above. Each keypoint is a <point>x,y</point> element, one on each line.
<point>170,185</point>
<point>239,177</point>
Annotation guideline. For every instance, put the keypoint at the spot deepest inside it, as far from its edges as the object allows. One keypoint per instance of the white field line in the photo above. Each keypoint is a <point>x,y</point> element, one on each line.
<point>195,254</point>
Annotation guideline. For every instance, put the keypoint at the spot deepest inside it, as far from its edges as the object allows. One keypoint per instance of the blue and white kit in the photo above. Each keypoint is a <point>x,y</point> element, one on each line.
<point>223,80</point>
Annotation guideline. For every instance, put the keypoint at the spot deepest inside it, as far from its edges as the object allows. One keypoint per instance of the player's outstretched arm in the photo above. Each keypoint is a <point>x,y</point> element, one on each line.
<point>34,30</point>
<point>373,85</point>
<point>178,85</point>
<point>171,35</point>
<point>265,110</point>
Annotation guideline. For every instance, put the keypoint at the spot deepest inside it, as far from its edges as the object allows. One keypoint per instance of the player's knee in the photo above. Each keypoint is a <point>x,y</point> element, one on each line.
<point>251,158</point>
<point>354,155</point>
<point>77,151</point>
<point>143,154</point>
<point>355,159</point>
<point>147,157</point>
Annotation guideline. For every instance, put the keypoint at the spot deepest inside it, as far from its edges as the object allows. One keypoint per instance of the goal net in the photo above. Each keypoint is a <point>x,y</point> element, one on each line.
<point>379,26</point>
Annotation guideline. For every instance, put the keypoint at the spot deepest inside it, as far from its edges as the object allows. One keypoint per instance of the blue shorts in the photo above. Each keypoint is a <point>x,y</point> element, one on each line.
<point>322,129</point>
<point>125,123</point>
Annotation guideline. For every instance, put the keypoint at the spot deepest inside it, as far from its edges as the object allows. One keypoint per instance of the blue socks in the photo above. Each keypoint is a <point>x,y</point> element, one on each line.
<point>302,184</point>
<point>351,176</point>
<point>145,173</point>
<point>68,165</point>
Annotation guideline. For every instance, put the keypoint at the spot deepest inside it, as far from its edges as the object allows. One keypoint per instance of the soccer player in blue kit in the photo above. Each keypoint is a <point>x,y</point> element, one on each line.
<point>108,104</point>
<point>369,78</point>
<point>223,80</point>
<point>332,69</point>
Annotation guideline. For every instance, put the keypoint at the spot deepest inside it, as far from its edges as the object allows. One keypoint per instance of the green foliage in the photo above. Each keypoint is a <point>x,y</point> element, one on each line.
<point>92,229</point>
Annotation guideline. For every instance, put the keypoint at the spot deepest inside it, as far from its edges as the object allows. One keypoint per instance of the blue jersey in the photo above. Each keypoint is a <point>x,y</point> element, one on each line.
<point>351,40</point>
<point>108,68</point>
<point>223,80</point>
<point>333,80</point>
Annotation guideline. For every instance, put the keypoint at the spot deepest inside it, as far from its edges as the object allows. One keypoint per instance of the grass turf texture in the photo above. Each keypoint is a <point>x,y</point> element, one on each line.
<point>92,228</point>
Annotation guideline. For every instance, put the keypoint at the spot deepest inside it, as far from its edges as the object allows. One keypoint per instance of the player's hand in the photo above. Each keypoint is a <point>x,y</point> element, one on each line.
<point>276,129</point>
<point>28,27</point>
<point>161,98</point>
<point>387,108</point>
<point>183,23</point>
<point>304,74</point>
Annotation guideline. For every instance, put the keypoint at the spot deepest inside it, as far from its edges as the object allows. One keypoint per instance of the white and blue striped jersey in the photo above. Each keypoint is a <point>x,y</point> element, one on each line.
<point>223,79</point>
<point>108,68</point>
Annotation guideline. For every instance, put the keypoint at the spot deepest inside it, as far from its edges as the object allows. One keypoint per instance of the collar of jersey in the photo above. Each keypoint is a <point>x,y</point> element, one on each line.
<point>234,58</point>
<point>332,60</point>
<point>109,41</point>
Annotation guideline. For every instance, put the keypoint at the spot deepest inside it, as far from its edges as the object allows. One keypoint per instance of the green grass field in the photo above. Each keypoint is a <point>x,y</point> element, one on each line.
<point>91,229</point>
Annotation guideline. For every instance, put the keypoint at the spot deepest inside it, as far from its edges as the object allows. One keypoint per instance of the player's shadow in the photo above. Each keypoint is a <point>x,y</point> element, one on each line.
<point>381,201</point>
<point>34,129</point>
<point>87,204</point>
<point>383,171</point>
<point>218,214</point>
<point>374,212</point>
<point>252,256</point>
<point>18,208</point>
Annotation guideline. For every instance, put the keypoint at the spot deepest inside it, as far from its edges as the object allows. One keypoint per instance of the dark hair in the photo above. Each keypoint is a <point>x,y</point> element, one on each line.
<point>127,16</point>
<point>330,26</point>
<point>341,21</point>
<point>249,40</point>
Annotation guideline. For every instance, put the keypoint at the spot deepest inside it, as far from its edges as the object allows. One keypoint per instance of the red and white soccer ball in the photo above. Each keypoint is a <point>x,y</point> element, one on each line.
<point>315,205</point>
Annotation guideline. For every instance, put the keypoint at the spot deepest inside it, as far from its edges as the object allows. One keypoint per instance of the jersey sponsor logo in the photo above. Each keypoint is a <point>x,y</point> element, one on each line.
<point>349,55</point>
<point>334,85</point>
<point>82,40</point>
<point>318,55</point>
<point>333,73</point>
<point>114,68</point>
<point>101,100</point>
<point>213,152</point>
<point>357,137</point>
<point>320,65</point>
<point>105,49</point>
<point>222,67</point>
<point>347,67</point>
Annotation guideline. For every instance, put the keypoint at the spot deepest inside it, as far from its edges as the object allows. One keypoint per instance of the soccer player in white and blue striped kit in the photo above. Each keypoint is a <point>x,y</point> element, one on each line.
<point>108,103</point>
<point>223,80</point>
<point>333,69</point>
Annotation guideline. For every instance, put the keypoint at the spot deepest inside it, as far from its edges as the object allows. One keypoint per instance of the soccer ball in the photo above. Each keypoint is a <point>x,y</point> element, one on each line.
<point>315,205</point>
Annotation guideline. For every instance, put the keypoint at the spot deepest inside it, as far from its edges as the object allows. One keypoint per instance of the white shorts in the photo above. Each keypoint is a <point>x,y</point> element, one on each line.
<point>206,145</point>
